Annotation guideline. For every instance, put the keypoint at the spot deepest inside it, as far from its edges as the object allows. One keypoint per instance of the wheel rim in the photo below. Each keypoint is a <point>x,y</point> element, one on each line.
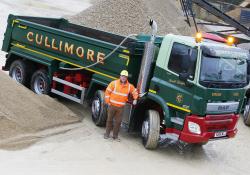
<point>39,85</point>
<point>17,74</point>
<point>246,111</point>
<point>145,129</point>
<point>96,107</point>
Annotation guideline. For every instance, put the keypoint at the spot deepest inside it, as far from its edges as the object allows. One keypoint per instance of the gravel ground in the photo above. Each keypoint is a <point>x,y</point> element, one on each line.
<point>81,148</point>
<point>23,112</point>
<point>126,17</point>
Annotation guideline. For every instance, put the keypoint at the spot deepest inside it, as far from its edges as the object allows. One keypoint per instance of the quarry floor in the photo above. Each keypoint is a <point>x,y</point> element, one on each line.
<point>80,148</point>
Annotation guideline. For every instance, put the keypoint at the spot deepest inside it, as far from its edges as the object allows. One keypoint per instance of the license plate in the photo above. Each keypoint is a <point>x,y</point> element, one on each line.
<point>220,134</point>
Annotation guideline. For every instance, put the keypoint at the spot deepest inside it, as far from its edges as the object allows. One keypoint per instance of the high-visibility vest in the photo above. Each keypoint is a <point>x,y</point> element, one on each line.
<point>117,93</point>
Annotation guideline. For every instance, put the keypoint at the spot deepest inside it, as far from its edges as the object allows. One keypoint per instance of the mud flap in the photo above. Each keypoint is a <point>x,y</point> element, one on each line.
<point>126,116</point>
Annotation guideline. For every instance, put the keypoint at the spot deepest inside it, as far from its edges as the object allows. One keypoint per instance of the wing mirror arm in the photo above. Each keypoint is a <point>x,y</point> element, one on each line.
<point>183,76</point>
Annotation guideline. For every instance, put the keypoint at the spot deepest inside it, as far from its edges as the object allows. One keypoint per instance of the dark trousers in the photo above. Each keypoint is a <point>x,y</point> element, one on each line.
<point>114,114</point>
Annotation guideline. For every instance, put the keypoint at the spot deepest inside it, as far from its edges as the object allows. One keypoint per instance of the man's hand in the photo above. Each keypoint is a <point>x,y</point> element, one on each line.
<point>134,102</point>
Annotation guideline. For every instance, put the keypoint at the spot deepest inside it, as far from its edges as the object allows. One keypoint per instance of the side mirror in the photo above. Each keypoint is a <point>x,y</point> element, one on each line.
<point>183,76</point>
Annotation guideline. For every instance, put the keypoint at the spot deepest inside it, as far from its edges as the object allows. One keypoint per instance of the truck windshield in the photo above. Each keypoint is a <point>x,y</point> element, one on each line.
<point>219,72</point>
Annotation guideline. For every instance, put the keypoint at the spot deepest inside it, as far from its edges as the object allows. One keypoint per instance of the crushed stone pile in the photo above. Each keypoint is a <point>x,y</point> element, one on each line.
<point>23,112</point>
<point>132,16</point>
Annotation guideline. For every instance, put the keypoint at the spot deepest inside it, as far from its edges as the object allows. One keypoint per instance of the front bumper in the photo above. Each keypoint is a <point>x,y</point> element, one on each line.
<point>209,126</point>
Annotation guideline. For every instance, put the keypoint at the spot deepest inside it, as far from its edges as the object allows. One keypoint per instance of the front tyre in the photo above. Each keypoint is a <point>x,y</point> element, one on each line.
<point>99,109</point>
<point>246,114</point>
<point>40,83</point>
<point>151,129</point>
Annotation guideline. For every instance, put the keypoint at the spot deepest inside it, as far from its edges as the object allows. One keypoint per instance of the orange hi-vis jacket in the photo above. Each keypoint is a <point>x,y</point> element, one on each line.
<point>117,93</point>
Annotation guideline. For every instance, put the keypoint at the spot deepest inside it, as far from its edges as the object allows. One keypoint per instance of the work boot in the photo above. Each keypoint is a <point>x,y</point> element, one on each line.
<point>117,139</point>
<point>106,136</point>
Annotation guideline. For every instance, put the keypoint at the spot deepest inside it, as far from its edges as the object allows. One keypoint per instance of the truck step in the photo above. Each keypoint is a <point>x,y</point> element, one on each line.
<point>177,120</point>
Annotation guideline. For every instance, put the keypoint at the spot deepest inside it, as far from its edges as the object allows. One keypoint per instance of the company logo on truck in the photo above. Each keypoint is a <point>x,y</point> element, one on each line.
<point>179,98</point>
<point>65,47</point>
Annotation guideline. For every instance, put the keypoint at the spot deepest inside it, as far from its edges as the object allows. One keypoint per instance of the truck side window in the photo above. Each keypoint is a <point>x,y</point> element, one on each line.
<point>183,59</point>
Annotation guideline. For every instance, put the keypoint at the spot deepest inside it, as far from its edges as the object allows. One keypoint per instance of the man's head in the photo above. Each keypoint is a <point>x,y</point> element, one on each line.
<point>124,76</point>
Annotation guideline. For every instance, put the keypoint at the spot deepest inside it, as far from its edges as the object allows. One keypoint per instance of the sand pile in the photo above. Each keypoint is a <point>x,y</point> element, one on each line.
<point>235,14</point>
<point>132,16</point>
<point>22,111</point>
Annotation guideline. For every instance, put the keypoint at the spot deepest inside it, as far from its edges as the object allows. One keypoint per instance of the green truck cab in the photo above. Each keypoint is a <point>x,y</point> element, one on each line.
<point>189,91</point>
<point>246,105</point>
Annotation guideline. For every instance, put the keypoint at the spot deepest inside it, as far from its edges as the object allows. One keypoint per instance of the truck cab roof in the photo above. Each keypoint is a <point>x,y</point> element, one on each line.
<point>191,40</point>
<point>205,43</point>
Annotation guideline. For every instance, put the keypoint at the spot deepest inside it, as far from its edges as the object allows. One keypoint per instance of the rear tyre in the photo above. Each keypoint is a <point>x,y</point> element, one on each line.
<point>18,72</point>
<point>99,109</point>
<point>151,129</point>
<point>40,83</point>
<point>246,114</point>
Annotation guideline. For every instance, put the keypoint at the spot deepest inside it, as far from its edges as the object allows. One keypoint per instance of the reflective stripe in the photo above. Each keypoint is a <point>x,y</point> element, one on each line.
<point>128,88</point>
<point>109,89</point>
<point>117,102</point>
<point>122,94</point>
<point>115,87</point>
<point>178,107</point>
<point>134,91</point>
<point>118,93</point>
<point>107,96</point>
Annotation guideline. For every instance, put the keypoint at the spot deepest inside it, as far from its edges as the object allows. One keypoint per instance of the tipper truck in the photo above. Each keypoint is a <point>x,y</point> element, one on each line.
<point>191,89</point>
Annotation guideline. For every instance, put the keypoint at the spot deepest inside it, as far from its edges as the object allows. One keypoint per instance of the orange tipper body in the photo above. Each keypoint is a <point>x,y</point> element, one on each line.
<point>117,93</point>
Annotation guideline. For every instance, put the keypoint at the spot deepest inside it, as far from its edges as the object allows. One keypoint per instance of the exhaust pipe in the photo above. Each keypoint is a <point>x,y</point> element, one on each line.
<point>153,25</point>
<point>148,57</point>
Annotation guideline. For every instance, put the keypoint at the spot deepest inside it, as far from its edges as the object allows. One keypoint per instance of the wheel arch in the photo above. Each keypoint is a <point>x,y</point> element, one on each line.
<point>153,102</point>
<point>98,82</point>
<point>12,56</point>
<point>247,93</point>
<point>10,59</point>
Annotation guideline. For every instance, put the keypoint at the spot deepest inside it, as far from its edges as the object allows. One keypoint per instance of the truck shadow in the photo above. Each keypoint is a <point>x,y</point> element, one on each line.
<point>174,149</point>
<point>169,148</point>
<point>183,150</point>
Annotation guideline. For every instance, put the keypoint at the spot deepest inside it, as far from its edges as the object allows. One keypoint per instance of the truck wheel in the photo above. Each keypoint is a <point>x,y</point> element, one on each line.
<point>18,72</point>
<point>151,129</point>
<point>246,114</point>
<point>40,83</point>
<point>99,109</point>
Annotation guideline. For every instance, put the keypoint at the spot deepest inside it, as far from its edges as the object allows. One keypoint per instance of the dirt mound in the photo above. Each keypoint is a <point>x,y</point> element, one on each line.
<point>235,14</point>
<point>22,111</point>
<point>132,16</point>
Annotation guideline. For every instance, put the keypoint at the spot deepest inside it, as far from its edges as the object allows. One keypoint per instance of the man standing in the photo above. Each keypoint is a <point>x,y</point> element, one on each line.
<point>116,96</point>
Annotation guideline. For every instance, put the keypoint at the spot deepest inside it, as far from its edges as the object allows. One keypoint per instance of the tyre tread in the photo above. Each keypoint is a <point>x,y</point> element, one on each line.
<point>154,123</point>
<point>246,119</point>
<point>43,73</point>
<point>101,121</point>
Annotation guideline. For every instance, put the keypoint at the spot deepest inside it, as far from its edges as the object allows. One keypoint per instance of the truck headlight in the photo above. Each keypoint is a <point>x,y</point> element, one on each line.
<point>194,128</point>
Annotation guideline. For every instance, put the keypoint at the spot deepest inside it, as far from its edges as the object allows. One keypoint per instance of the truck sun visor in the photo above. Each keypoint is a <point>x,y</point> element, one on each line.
<point>225,52</point>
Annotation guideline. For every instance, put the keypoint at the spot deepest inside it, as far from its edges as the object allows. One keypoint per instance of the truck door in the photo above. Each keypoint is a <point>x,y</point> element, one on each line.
<point>177,80</point>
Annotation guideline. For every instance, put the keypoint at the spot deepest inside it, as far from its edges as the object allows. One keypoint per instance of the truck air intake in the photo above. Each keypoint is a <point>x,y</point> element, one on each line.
<point>147,60</point>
